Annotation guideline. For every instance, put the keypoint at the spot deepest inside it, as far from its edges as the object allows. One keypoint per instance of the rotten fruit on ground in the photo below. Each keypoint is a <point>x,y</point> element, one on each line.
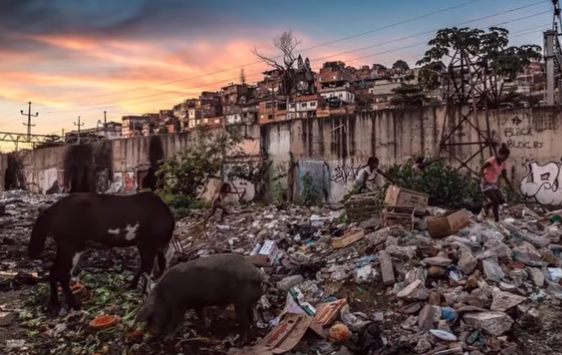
<point>338,332</point>
<point>135,335</point>
<point>103,322</point>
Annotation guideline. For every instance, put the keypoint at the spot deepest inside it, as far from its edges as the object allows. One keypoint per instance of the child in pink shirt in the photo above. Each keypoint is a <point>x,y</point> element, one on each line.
<point>492,169</point>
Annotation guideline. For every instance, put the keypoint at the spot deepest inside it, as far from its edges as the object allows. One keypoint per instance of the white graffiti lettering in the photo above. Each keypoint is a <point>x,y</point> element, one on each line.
<point>543,183</point>
<point>345,173</point>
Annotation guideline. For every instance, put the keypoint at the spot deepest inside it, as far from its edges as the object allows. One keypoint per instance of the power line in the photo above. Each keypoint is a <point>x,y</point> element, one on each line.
<point>349,37</point>
<point>303,50</point>
<point>108,104</point>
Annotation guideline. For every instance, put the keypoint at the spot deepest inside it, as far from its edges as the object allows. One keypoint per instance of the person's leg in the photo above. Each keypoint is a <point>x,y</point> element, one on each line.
<point>499,197</point>
<point>494,203</point>
<point>224,211</point>
<point>213,210</point>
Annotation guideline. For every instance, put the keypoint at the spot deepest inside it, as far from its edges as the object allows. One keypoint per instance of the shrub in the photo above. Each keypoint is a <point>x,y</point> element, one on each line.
<point>308,196</point>
<point>444,184</point>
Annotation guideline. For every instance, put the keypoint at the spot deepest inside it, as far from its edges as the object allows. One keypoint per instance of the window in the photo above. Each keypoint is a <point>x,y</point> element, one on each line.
<point>303,105</point>
<point>340,95</point>
<point>292,106</point>
<point>313,104</point>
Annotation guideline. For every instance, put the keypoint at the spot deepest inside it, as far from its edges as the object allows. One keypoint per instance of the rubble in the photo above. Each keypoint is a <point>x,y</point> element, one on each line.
<point>334,287</point>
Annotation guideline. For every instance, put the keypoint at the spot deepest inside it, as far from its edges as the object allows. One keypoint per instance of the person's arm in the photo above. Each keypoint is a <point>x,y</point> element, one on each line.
<point>484,167</point>
<point>507,180</point>
<point>428,163</point>
<point>385,176</point>
<point>365,178</point>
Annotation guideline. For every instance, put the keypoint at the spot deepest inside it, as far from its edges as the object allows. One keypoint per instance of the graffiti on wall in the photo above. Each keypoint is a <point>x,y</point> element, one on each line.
<point>319,171</point>
<point>543,183</point>
<point>345,173</point>
<point>122,183</point>
<point>51,181</point>
<point>129,182</point>
<point>521,138</point>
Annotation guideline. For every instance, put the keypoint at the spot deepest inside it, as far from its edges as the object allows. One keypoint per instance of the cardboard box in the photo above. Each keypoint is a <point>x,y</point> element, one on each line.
<point>448,224</point>
<point>266,254</point>
<point>397,196</point>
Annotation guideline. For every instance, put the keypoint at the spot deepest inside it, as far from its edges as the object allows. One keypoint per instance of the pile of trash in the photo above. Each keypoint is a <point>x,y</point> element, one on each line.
<point>336,287</point>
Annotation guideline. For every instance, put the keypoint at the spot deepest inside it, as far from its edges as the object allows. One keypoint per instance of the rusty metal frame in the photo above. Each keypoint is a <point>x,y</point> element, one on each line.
<point>34,139</point>
<point>467,94</point>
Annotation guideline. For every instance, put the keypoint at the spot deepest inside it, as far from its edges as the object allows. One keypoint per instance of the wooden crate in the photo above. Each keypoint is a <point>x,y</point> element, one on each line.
<point>399,215</point>
<point>363,206</point>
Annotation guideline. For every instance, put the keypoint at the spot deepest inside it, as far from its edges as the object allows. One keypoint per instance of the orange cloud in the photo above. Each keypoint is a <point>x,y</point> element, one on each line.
<point>89,76</point>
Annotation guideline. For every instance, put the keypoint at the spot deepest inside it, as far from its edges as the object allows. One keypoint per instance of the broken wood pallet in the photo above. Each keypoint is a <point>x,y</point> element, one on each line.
<point>399,215</point>
<point>363,206</point>
<point>180,242</point>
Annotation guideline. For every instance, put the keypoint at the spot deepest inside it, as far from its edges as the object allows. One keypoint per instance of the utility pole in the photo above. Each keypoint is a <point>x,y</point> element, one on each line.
<point>549,37</point>
<point>28,124</point>
<point>79,125</point>
<point>105,125</point>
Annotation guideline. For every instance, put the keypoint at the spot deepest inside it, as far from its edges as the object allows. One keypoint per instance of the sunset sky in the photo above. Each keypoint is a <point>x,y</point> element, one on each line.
<point>78,58</point>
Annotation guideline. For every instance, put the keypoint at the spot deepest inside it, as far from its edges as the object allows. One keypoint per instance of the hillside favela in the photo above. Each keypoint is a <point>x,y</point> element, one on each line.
<point>259,178</point>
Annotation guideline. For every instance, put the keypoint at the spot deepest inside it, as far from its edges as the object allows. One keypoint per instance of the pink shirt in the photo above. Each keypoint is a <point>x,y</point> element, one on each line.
<point>492,172</point>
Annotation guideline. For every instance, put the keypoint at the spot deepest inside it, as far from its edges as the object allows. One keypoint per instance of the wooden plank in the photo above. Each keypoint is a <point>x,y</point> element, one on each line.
<point>285,336</point>
<point>348,238</point>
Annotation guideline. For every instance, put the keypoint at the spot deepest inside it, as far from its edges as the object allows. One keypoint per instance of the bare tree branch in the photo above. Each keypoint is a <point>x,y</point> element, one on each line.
<point>286,43</point>
<point>267,60</point>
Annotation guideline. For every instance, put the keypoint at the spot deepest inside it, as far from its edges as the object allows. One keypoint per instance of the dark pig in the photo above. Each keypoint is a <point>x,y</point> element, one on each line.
<point>217,280</point>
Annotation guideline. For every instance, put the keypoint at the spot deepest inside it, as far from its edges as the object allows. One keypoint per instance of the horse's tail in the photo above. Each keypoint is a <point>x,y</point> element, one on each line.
<point>39,235</point>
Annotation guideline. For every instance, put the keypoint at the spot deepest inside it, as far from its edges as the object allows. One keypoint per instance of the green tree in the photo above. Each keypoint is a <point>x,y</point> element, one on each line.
<point>186,173</point>
<point>429,76</point>
<point>400,66</point>
<point>163,130</point>
<point>502,60</point>
<point>407,95</point>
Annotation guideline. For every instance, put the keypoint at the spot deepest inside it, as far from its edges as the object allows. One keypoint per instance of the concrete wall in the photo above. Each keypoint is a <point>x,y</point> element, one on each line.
<point>116,166</point>
<point>331,149</point>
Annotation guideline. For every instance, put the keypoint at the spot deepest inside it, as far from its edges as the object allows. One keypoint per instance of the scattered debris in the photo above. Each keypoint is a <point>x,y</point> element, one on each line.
<point>447,283</point>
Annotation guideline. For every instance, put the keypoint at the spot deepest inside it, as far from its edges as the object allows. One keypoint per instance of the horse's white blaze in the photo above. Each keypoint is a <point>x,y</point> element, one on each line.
<point>75,260</point>
<point>130,231</point>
